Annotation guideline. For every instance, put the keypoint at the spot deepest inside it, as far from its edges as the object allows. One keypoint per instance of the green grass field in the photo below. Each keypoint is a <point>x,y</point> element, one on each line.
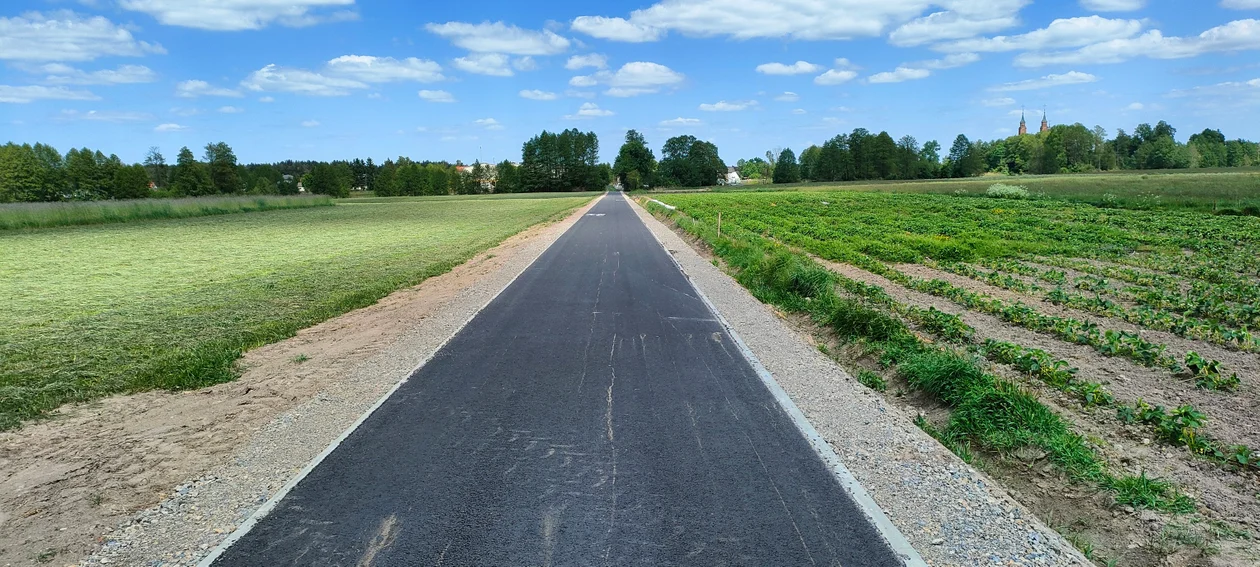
<point>47,215</point>
<point>95,310</point>
<point>1209,192</point>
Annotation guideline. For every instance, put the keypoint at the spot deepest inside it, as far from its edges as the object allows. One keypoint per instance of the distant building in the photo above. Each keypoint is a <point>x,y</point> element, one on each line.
<point>1045,124</point>
<point>1023,125</point>
<point>732,176</point>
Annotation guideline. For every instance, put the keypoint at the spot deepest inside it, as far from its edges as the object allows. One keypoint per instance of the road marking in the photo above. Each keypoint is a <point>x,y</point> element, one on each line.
<point>892,536</point>
<point>271,504</point>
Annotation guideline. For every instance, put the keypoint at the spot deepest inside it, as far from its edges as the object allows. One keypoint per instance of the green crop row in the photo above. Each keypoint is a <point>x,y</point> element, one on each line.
<point>987,412</point>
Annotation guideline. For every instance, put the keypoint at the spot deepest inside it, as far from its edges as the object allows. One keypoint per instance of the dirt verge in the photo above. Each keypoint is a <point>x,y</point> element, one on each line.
<point>72,484</point>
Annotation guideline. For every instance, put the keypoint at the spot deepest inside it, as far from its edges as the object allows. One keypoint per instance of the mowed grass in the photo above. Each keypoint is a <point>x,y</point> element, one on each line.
<point>171,304</point>
<point>1207,192</point>
<point>45,215</point>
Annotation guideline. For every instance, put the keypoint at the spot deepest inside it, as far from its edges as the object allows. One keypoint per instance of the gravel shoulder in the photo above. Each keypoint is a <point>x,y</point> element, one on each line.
<point>159,478</point>
<point>951,513</point>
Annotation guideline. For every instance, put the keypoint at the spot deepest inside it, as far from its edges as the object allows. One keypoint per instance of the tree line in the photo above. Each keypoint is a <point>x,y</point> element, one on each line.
<point>685,162</point>
<point>861,155</point>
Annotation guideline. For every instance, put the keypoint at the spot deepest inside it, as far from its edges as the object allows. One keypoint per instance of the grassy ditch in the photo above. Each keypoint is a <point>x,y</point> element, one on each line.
<point>47,215</point>
<point>988,414</point>
<point>172,304</point>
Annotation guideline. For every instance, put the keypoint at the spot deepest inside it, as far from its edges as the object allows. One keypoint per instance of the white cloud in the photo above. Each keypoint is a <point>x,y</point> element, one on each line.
<point>579,94</point>
<point>61,74</point>
<point>794,19</point>
<point>1113,5</point>
<point>499,37</point>
<point>589,110</point>
<point>640,77</point>
<point>1061,33</point>
<point>169,128</point>
<point>923,69</point>
<point>799,111</point>
<point>493,64</point>
<point>526,63</point>
<point>963,20</point>
<point>594,60</point>
<point>723,106</point>
<point>997,102</point>
<point>279,79</point>
<point>1135,106</point>
<point>436,96</point>
<point>1238,35</point>
<point>788,96</point>
<point>67,36</point>
<point>233,15</point>
<point>1241,4</point>
<point>538,95</point>
<point>194,89</point>
<point>385,69</point>
<point>488,124</point>
<point>680,121</point>
<point>1069,78</point>
<point>310,124</point>
<point>104,116</point>
<point>899,74</point>
<point>615,29</point>
<point>1231,89</point>
<point>267,99</point>
<point>583,81</point>
<point>231,110</point>
<point>25,94</point>
<point>798,68</point>
<point>185,112</point>
<point>835,77</point>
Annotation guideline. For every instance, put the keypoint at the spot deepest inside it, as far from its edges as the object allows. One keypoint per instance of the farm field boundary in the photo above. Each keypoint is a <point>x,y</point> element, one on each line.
<point>167,475</point>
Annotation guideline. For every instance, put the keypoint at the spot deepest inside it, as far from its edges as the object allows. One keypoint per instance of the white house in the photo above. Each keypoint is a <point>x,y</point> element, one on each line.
<point>732,176</point>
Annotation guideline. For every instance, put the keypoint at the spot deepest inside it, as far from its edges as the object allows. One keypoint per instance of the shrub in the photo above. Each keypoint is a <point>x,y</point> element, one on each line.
<point>1004,191</point>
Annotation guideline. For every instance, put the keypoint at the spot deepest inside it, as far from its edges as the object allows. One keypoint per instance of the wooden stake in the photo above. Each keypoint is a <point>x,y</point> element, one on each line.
<point>719,224</point>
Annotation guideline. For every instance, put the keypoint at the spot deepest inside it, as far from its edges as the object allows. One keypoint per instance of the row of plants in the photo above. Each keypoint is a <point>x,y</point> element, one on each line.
<point>1145,316</point>
<point>1212,290</point>
<point>987,413</point>
<point>1179,428</point>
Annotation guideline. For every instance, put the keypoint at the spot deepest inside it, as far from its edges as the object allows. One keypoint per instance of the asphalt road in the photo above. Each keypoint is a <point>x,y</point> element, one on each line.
<point>595,413</point>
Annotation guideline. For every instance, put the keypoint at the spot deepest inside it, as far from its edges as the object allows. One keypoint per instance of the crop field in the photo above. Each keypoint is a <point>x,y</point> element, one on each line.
<point>46,215</point>
<point>1229,191</point>
<point>1101,363</point>
<point>95,310</point>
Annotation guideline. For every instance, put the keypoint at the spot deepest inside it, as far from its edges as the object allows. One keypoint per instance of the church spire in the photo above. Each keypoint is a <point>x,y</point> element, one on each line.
<point>1045,123</point>
<point>1023,125</point>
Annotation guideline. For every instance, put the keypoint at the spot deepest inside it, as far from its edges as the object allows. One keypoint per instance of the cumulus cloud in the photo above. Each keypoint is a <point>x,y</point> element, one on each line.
<point>492,64</point>
<point>300,81</point>
<point>67,36</point>
<point>794,19</point>
<point>369,69</point>
<point>593,60</point>
<point>194,89</point>
<point>632,79</point>
<point>680,121</point>
<point>1048,81</point>
<point>499,37</point>
<point>234,15</point>
<point>230,110</point>
<point>589,110</point>
<point>923,69</point>
<point>798,68</point>
<point>169,127</point>
<point>526,63</point>
<point>538,95</point>
<point>723,106</point>
<point>1238,35</point>
<point>488,123</point>
<point>788,96</point>
<point>62,74</point>
<point>1135,106</point>
<point>1241,4</point>
<point>615,29</point>
<point>1061,33</point>
<point>835,77</point>
<point>436,96</point>
<point>964,20</point>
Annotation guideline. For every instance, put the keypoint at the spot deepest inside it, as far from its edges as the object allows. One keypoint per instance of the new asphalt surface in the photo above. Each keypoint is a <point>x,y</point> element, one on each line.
<point>595,413</point>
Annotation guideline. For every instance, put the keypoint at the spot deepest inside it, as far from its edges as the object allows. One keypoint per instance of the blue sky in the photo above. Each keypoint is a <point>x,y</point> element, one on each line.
<point>335,79</point>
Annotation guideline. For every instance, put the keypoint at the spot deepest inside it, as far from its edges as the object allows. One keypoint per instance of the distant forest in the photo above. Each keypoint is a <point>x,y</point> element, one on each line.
<point>569,161</point>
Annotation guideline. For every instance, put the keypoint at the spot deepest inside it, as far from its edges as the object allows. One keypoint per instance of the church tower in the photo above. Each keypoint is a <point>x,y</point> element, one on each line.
<point>1045,124</point>
<point>1023,126</point>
